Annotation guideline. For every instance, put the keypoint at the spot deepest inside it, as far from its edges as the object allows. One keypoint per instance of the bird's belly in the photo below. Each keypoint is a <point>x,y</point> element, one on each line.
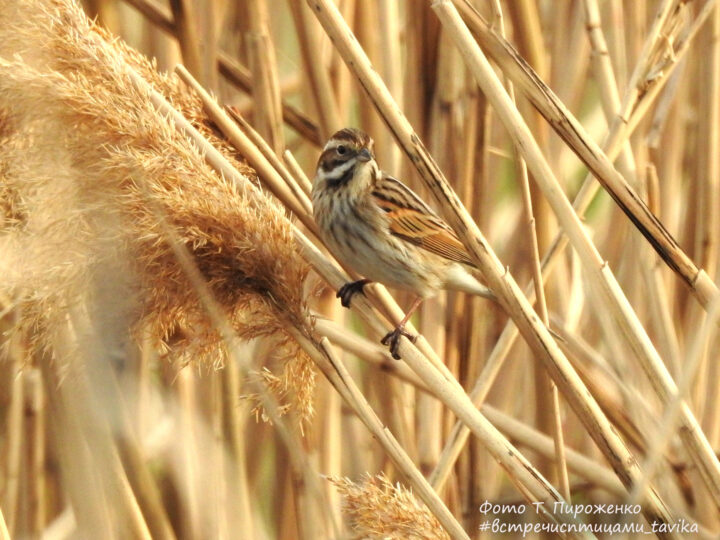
<point>380,257</point>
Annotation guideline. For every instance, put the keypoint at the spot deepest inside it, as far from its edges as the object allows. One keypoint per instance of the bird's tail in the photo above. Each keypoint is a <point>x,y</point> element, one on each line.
<point>459,279</point>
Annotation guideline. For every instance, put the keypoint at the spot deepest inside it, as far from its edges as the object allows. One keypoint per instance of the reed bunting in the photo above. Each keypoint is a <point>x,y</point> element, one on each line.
<point>377,226</point>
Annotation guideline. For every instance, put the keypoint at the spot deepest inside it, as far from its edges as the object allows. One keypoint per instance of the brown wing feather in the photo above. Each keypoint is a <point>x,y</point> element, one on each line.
<point>420,226</point>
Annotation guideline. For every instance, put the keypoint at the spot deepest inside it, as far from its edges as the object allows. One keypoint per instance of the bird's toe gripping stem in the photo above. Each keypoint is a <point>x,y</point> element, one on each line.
<point>393,339</point>
<point>347,291</point>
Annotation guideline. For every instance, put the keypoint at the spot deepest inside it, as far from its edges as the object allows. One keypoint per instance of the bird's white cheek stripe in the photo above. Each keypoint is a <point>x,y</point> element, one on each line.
<point>339,172</point>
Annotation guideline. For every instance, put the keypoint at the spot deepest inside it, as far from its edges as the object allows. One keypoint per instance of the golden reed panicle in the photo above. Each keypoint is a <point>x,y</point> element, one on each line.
<point>88,166</point>
<point>379,509</point>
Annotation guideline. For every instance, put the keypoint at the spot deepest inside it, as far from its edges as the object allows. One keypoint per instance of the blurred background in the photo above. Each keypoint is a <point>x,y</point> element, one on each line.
<point>158,440</point>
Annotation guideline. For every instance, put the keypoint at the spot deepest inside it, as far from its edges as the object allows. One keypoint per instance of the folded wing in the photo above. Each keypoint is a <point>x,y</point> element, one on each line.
<point>415,222</point>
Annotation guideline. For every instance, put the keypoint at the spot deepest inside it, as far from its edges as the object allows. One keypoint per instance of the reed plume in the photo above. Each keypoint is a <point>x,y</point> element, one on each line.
<point>379,509</point>
<point>88,167</point>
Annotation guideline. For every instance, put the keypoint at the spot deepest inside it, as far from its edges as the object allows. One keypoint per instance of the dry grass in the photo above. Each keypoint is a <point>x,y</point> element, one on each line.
<point>166,307</point>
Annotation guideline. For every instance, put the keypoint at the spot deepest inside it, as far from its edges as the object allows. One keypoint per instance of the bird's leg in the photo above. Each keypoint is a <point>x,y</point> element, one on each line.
<point>393,338</point>
<point>347,291</point>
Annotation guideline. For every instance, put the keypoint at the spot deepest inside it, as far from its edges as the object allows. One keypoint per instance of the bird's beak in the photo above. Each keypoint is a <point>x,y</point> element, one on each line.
<point>364,155</point>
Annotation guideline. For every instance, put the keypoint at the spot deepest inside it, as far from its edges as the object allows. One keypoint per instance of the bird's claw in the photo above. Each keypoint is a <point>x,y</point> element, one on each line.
<point>393,339</point>
<point>347,291</point>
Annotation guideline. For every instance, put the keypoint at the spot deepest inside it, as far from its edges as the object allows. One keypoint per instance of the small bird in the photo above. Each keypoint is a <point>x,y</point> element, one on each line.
<point>380,228</point>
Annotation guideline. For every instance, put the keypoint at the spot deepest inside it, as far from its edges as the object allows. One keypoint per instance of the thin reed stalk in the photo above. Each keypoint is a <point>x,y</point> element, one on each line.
<point>548,407</point>
<point>264,70</point>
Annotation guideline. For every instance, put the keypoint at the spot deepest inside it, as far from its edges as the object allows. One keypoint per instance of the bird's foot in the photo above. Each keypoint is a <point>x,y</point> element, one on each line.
<point>393,339</point>
<point>347,291</point>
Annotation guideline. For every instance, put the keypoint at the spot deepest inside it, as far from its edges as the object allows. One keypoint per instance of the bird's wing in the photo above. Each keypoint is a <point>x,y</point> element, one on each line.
<point>414,221</point>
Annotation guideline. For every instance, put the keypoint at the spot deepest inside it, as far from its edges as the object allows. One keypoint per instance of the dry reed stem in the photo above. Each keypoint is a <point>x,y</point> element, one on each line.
<point>35,437</point>
<point>133,459</point>
<point>548,409</point>
<point>707,237</point>
<point>267,152</point>
<point>15,422</point>
<point>294,168</point>
<point>319,79</point>
<point>481,387</point>
<point>713,413</point>
<point>240,76</point>
<point>208,12</point>
<point>185,22</point>
<point>611,105</point>
<point>458,435</point>
<point>605,77</point>
<point>610,391</point>
<point>343,383</point>
<point>73,401</point>
<point>575,136</point>
<point>525,435</point>
<point>263,66</point>
<point>499,279</point>
<point>709,172</point>
<point>673,410</point>
<point>4,533</point>
<point>613,296</point>
<point>230,68</point>
<point>390,38</point>
<point>630,112</point>
<point>236,432</point>
<point>588,469</point>
<point>367,351</point>
<point>278,184</point>
<point>433,312</point>
<point>598,475</point>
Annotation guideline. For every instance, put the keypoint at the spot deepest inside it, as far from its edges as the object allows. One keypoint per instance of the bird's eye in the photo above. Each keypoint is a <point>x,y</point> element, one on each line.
<point>341,149</point>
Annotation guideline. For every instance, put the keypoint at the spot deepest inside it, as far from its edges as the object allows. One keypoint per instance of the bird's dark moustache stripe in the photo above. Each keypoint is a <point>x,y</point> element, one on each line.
<point>344,179</point>
<point>329,164</point>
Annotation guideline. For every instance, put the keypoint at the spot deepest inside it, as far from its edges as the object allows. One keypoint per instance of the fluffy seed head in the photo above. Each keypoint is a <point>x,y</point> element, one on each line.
<point>379,509</point>
<point>87,165</point>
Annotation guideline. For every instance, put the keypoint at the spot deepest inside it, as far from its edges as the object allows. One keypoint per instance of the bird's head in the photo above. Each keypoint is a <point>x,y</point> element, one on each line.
<point>347,156</point>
